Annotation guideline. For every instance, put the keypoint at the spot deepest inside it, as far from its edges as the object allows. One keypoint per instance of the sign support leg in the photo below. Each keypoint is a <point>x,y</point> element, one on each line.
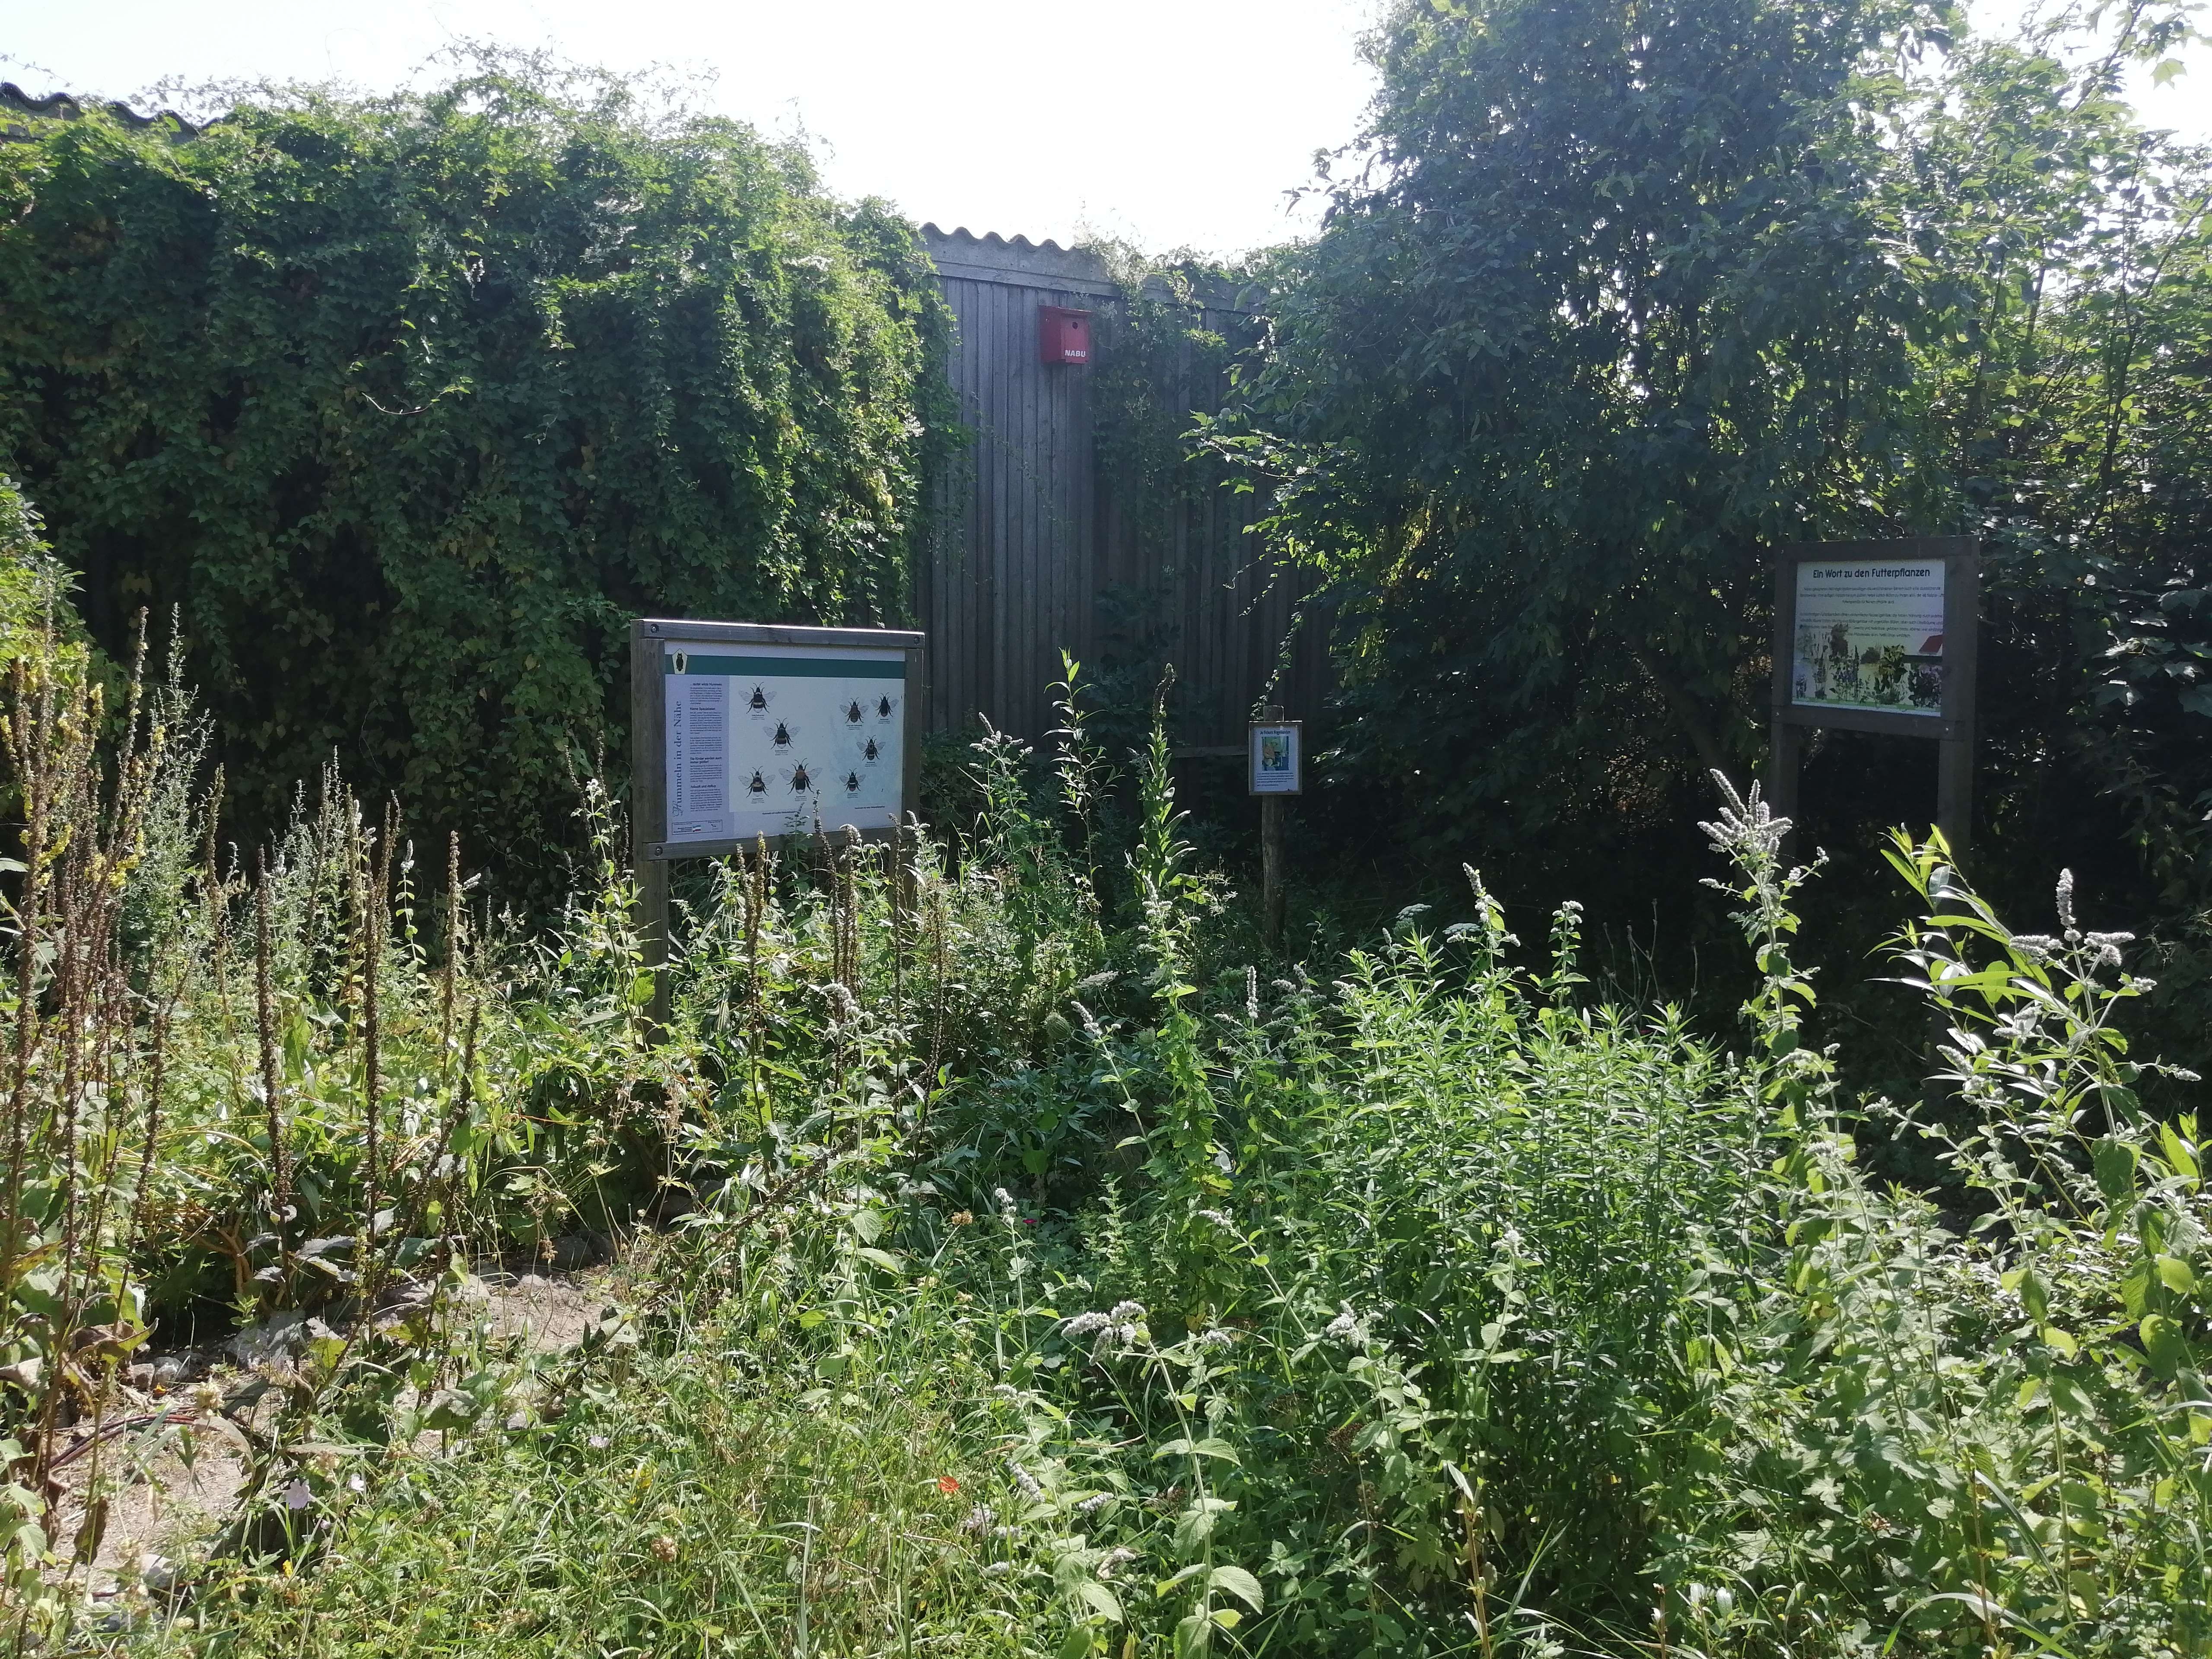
<point>1271,870</point>
<point>1788,753</point>
<point>653,936</point>
<point>1955,794</point>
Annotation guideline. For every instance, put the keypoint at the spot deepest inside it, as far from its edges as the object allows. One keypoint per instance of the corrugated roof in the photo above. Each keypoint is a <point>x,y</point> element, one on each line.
<point>992,257</point>
<point>19,112</point>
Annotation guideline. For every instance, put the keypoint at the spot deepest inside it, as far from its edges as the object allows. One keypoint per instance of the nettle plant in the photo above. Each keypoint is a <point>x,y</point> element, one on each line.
<point>1975,1429</point>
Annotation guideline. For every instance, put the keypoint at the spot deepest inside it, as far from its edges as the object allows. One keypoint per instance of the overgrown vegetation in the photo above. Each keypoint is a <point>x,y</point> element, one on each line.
<point>1613,300</point>
<point>1014,1260</point>
<point>1013,1271</point>
<point>409,404</point>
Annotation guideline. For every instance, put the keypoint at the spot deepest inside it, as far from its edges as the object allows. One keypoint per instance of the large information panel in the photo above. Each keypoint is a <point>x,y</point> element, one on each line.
<point>1880,636</point>
<point>1870,634</point>
<point>768,731</point>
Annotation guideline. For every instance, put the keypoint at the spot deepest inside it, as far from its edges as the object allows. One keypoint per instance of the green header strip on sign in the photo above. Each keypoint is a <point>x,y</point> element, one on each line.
<point>790,668</point>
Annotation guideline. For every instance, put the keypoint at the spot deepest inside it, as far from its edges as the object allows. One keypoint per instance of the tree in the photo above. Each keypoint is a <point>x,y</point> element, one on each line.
<point>1613,298</point>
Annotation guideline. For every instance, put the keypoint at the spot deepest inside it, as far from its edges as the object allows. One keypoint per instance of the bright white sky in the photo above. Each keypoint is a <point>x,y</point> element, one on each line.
<point>1171,123</point>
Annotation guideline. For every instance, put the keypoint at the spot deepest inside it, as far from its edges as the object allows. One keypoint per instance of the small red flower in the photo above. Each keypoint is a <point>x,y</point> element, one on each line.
<point>947,1485</point>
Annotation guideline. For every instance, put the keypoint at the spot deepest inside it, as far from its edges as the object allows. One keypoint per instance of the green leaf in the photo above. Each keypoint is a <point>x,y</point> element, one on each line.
<point>1196,1524</point>
<point>2116,1171</point>
<point>1101,1600</point>
<point>2032,1294</point>
<point>2179,1152</point>
<point>1207,1448</point>
<point>1239,1583</point>
<point>2164,1344</point>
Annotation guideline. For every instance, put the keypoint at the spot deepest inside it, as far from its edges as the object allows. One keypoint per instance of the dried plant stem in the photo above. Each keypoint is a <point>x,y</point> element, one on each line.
<point>29,719</point>
<point>271,1080</point>
<point>898,927</point>
<point>433,1184</point>
<point>756,911</point>
<point>845,946</point>
<point>453,951</point>
<point>939,954</point>
<point>372,945</point>
<point>158,1059</point>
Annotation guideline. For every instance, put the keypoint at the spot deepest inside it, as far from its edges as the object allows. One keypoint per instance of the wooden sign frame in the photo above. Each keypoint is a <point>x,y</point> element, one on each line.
<point>1951,726</point>
<point>649,713</point>
<point>648,701</point>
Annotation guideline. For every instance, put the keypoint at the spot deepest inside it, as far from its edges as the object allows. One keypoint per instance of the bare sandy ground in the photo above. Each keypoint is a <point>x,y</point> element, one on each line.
<point>172,1478</point>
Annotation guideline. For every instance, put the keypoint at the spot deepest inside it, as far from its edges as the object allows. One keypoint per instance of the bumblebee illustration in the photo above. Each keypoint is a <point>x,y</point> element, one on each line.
<point>801,781</point>
<point>872,753</point>
<point>883,707</point>
<point>852,712</point>
<point>757,703</point>
<point>852,783</point>
<point>757,786</point>
<point>782,738</point>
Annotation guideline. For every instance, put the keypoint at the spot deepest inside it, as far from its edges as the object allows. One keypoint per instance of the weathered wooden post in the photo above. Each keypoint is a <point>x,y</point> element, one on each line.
<point>1275,763</point>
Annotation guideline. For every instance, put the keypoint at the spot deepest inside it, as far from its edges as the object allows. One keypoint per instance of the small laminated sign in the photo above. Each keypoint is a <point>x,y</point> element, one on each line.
<point>1276,757</point>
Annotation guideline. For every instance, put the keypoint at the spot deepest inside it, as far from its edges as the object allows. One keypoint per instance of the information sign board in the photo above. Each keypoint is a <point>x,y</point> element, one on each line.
<point>1880,636</point>
<point>1274,757</point>
<point>746,730</point>
<point>1877,636</point>
<point>1870,634</point>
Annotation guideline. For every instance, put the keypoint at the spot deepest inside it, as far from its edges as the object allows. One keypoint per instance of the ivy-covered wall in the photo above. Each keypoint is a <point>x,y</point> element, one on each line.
<point>407,405</point>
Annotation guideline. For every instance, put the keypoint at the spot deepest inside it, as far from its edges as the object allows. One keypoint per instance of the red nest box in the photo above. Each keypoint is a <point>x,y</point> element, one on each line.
<point>1063,336</point>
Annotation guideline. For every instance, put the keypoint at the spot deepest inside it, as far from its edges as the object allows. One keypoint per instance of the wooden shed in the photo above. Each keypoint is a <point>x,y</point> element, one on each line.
<point>1040,548</point>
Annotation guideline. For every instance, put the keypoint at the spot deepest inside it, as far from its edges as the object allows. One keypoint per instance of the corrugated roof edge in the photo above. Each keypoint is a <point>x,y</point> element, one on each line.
<point>1017,260</point>
<point>963,246</point>
<point>18,109</point>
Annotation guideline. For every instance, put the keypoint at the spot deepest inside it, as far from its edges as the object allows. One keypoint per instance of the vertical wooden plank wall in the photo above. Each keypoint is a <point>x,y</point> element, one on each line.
<point>1031,535</point>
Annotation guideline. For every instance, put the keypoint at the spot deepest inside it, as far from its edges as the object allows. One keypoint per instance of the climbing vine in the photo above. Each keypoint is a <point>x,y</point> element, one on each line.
<point>407,405</point>
<point>1166,355</point>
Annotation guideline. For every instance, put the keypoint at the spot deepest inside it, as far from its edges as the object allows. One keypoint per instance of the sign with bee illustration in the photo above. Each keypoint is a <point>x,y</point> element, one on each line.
<point>760,730</point>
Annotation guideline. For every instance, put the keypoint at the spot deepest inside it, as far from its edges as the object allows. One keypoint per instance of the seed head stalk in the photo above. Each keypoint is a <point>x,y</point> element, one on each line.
<point>372,945</point>
<point>756,909</point>
<point>271,1081</point>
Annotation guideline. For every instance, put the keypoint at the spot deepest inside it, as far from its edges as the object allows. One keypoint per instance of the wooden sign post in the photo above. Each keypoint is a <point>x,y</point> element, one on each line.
<point>1275,764</point>
<point>740,731</point>
<point>1880,636</point>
